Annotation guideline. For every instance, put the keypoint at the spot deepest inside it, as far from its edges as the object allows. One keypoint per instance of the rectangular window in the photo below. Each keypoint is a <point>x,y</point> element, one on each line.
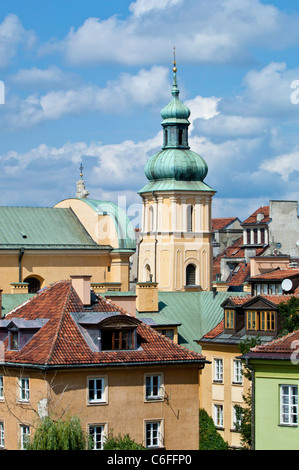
<point>117,339</point>
<point>25,436</point>
<point>1,387</point>
<point>289,405</point>
<point>218,370</point>
<point>14,340</point>
<point>260,320</point>
<point>1,435</point>
<point>218,416</point>
<point>237,417</point>
<point>24,389</point>
<point>238,376</point>
<point>229,319</point>
<point>97,390</point>
<point>97,434</point>
<point>153,434</point>
<point>153,387</point>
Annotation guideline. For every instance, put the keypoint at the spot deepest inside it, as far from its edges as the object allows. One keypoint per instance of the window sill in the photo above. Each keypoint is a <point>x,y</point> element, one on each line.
<point>288,425</point>
<point>153,400</point>
<point>96,403</point>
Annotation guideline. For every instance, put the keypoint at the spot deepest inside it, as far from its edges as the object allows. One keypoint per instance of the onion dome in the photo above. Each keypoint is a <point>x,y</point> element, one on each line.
<point>176,167</point>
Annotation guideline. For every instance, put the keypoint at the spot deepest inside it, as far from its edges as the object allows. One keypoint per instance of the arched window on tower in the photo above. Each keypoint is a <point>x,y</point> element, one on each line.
<point>191,275</point>
<point>181,136</point>
<point>148,275</point>
<point>190,215</point>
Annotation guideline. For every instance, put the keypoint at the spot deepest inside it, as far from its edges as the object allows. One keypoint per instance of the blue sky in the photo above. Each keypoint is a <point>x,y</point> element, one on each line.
<point>85,82</point>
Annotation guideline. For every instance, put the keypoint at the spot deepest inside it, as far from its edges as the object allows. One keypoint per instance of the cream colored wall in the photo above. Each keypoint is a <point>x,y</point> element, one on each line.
<point>226,393</point>
<point>125,411</point>
<point>101,228</point>
<point>166,245</point>
<point>54,266</point>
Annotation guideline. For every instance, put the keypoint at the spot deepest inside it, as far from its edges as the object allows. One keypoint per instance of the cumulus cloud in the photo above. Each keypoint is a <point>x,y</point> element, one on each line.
<point>222,31</point>
<point>283,165</point>
<point>145,88</point>
<point>12,36</point>
<point>50,78</point>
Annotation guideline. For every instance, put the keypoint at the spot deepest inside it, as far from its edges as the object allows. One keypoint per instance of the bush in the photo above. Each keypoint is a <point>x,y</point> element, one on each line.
<point>121,443</point>
<point>209,437</point>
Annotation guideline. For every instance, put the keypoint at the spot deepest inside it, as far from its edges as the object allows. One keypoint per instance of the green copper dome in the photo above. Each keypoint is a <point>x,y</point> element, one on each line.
<point>175,167</point>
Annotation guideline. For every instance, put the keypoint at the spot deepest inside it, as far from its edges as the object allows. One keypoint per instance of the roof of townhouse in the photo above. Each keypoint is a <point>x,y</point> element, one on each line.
<point>254,218</point>
<point>59,340</point>
<point>279,348</point>
<point>222,222</point>
<point>279,273</point>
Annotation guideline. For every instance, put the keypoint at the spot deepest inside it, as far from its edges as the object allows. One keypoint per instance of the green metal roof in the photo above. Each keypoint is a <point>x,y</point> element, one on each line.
<point>12,301</point>
<point>197,313</point>
<point>123,226</point>
<point>43,227</point>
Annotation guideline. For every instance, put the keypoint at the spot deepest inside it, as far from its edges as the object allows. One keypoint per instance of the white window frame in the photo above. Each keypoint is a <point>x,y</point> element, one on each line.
<point>288,410</point>
<point>153,392</point>
<point>154,434</point>
<point>101,391</point>
<point>2,435</point>
<point>235,421</point>
<point>25,435</point>
<point>218,370</point>
<point>218,415</point>
<point>24,389</point>
<point>237,371</point>
<point>98,444</point>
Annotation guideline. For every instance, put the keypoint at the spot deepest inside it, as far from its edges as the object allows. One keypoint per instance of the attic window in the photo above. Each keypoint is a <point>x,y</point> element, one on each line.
<point>118,339</point>
<point>14,340</point>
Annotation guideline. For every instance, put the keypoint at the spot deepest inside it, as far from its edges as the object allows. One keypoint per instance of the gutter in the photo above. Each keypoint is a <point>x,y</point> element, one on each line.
<point>21,254</point>
<point>252,403</point>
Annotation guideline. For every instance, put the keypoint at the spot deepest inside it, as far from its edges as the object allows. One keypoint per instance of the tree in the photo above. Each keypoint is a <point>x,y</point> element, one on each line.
<point>121,443</point>
<point>209,437</point>
<point>59,435</point>
<point>289,313</point>
<point>244,412</point>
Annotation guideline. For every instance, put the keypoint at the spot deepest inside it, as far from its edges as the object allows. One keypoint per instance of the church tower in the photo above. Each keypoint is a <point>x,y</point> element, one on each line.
<point>176,240</point>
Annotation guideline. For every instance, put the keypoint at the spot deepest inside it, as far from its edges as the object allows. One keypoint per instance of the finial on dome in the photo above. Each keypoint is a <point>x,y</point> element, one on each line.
<point>174,61</point>
<point>81,193</point>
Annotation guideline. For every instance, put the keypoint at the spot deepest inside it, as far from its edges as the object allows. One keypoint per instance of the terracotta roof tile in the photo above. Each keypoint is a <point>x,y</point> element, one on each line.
<point>252,219</point>
<point>280,347</point>
<point>221,222</point>
<point>60,342</point>
<point>279,273</point>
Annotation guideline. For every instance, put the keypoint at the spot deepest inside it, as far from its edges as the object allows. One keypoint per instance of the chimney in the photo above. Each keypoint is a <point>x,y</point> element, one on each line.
<point>147,297</point>
<point>81,284</point>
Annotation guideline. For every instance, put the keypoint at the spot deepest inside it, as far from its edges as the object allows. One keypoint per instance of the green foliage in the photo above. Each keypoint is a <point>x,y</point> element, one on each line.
<point>209,437</point>
<point>59,435</point>
<point>289,313</point>
<point>121,443</point>
<point>243,413</point>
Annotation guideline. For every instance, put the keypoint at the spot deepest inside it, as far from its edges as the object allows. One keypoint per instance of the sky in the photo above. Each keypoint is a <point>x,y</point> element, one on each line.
<point>84,82</point>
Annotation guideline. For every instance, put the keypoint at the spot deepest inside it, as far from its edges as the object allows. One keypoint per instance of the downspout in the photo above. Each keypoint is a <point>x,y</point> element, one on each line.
<point>252,404</point>
<point>21,254</point>
<point>156,227</point>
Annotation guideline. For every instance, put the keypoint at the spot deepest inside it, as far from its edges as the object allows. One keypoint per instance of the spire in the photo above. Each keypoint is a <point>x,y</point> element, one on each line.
<point>81,193</point>
<point>175,91</point>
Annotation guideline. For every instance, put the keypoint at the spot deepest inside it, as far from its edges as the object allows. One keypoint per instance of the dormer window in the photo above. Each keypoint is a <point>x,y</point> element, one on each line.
<point>229,321</point>
<point>260,320</point>
<point>108,331</point>
<point>14,340</point>
<point>117,339</point>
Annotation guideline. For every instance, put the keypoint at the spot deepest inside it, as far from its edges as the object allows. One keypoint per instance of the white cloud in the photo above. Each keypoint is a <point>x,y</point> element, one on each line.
<point>283,165</point>
<point>140,7</point>
<point>51,77</point>
<point>222,31</point>
<point>145,88</point>
<point>12,35</point>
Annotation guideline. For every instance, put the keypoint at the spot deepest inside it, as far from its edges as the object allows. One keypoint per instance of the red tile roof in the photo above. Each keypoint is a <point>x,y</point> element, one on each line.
<point>60,343</point>
<point>279,273</point>
<point>215,331</point>
<point>221,222</point>
<point>252,218</point>
<point>280,348</point>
